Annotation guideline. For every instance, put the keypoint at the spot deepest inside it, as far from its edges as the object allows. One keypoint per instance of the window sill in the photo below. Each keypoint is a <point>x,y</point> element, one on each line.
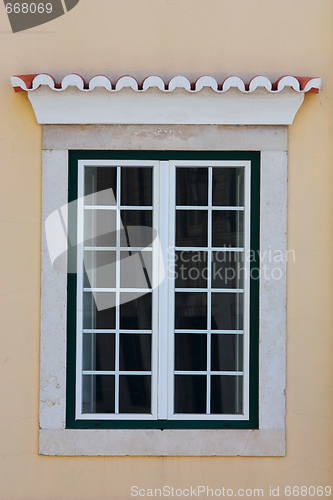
<point>154,442</point>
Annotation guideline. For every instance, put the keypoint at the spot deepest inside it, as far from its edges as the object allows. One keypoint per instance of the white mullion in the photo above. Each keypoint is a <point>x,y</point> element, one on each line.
<point>118,226</point>
<point>112,372</point>
<point>114,207</point>
<point>246,301</point>
<point>171,284</point>
<point>116,163</point>
<point>105,290</point>
<point>236,332</point>
<point>212,163</point>
<point>98,330</point>
<point>206,372</point>
<point>163,327</point>
<point>206,249</point>
<point>122,249</point>
<point>155,293</point>
<point>100,207</point>
<point>79,289</point>
<point>220,290</point>
<point>209,286</point>
<point>118,416</point>
<point>200,207</point>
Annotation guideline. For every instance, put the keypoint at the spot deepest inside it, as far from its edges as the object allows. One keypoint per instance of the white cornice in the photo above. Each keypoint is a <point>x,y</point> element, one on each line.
<point>205,102</point>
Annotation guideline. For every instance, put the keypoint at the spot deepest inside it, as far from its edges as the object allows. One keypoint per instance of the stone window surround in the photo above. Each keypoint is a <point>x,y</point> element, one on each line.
<point>269,439</point>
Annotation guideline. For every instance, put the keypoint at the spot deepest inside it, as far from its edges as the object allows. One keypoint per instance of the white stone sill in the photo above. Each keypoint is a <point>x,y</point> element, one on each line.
<point>154,442</point>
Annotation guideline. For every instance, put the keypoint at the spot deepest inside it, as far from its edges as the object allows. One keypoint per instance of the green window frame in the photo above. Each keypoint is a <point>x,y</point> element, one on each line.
<point>252,421</point>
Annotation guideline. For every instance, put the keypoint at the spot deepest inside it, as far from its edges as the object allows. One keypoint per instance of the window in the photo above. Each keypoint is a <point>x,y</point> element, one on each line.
<point>207,116</point>
<point>163,317</point>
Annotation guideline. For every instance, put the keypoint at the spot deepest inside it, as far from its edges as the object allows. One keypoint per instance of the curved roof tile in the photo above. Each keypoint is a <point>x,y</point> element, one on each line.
<point>32,82</point>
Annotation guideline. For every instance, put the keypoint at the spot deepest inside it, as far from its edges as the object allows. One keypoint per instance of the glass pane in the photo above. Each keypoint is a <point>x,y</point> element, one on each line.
<point>98,351</point>
<point>227,394</point>
<point>191,228</point>
<point>227,269</point>
<point>98,393</point>
<point>136,186</point>
<point>100,228</point>
<point>135,352</point>
<point>191,310</point>
<point>99,179</point>
<point>191,269</point>
<point>228,186</point>
<point>139,236</point>
<point>136,269</point>
<point>134,394</point>
<point>190,351</point>
<point>191,186</point>
<point>102,316</point>
<point>135,312</point>
<point>190,393</point>
<point>228,228</point>
<point>100,269</point>
<point>227,311</point>
<point>227,352</point>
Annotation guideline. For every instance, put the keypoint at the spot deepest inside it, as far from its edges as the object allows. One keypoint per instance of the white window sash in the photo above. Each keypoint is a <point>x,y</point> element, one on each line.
<point>162,368</point>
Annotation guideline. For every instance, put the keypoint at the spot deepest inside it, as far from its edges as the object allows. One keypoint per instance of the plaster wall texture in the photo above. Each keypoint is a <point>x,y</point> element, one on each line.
<point>214,37</point>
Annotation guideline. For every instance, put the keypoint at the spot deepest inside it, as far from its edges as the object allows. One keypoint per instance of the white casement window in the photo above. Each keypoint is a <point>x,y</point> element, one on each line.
<point>163,290</point>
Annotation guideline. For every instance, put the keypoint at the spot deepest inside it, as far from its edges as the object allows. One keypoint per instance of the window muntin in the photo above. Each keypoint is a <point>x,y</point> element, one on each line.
<point>163,170</point>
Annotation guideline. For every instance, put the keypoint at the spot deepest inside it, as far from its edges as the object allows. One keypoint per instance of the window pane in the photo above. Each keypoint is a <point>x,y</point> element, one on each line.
<point>227,352</point>
<point>191,228</point>
<point>190,393</point>
<point>192,186</point>
<point>134,394</point>
<point>227,311</point>
<point>228,228</point>
<point>228,186</point>
<point>136,269</point>
<point>98,351</point>
<point>191,310</point>
<point>190,351</point>
<point>227,394</point>
<point>136,186</point>
<point>98,393</point>
<point>99,179</point>
<point>135,352</point>
<point>139,236</point>
<point>227,269</point>
<point>100,228</point>
<point>104,315</point>
<point>137,217</point>
<point>191,269</point>
<point>135,313</point>
<point>100,269</point>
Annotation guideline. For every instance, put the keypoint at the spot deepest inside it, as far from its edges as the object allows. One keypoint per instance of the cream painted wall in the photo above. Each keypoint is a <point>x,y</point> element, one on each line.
<point>217,37</point>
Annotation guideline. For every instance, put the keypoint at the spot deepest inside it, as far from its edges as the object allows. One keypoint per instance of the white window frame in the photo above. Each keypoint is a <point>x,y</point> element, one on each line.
<point>155,292</point>
<point>170,173</point>
<point>162,371</point>
<point>269,439</point>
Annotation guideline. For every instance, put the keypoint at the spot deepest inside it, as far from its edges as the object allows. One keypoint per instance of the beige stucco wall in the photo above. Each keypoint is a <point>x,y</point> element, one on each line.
<point>217,37</point>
